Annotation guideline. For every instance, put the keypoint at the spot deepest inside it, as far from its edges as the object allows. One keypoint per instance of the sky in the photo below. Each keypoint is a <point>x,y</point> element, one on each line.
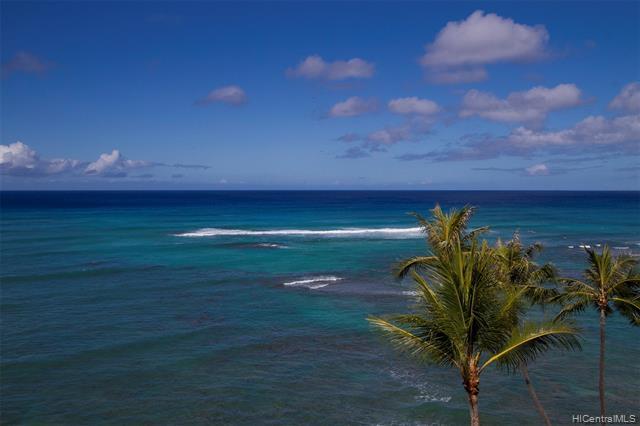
<point>326,95</point>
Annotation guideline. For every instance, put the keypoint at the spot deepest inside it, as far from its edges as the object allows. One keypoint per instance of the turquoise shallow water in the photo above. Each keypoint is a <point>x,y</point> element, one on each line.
<point>249,307</point>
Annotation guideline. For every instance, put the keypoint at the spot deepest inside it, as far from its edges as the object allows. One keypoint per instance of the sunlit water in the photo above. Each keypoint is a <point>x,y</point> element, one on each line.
<point>250,307</point>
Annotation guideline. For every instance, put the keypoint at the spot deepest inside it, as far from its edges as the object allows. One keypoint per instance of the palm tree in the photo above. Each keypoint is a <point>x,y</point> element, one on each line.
<point>442,231</point>
<point>521,271</point>
<point>468,319</point>
<point>609,283</point>
<point>516,261</point>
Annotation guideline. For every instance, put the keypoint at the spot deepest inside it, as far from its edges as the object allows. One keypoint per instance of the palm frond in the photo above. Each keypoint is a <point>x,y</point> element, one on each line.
<point>540,295</point>
<point>414,263</point>
<point>629,308</point>
<point>531,340</point>
<point>428,346</point>
<point>573,308</point>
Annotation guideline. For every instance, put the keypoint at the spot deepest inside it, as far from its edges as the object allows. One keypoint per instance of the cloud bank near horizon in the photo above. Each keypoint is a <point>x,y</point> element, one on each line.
<point>18,159</point>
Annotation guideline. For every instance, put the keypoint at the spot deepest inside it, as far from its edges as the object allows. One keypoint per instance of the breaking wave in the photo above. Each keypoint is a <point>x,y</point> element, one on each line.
<point>313,282</point>
<point>348,232</point>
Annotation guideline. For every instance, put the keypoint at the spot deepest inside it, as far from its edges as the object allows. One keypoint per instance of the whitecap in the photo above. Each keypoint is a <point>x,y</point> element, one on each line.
<point>346,232</point>
<point>412,293</point>
<point>272,245</point>
<point>621,248</point>
<point>570,247</point>
<point>313,283</point>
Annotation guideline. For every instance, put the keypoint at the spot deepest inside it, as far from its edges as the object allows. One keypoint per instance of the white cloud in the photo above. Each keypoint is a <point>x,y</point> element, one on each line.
<point>628,99</point>
<point>232,95</point>
<point>532,105</point>
<point>593,131</point>
<point>314,67</point>
<point>20,160</point>
<point>462,48</point>
<point>388,136</point>
<point>18,155</point>
<point>114,164</point>
<point>596,135</point>
<point>352,107</point>
<point>413,106</point>
<point>537,170</point>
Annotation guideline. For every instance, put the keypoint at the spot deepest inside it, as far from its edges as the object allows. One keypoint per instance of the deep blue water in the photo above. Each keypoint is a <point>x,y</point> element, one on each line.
<point>249,307</point>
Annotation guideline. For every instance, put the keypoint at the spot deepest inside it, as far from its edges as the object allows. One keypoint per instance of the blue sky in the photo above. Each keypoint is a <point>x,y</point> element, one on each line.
<point>420,95</point>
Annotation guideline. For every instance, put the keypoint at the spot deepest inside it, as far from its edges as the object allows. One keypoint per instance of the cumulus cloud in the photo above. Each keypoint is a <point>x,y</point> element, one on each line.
<point>530,106</point>
<point>18,159</point>
<point>352,107</point>
<point>413,106</point>
<point>314,67</point>
<point>17,155</point>
<point>628,99</point>
<point>594,134</point>
<point>388,136</point>
<point>27,63</point>
<point>232,95</point>
<point>462,48</point>
<point>620,133</point>
<point>113,165</point>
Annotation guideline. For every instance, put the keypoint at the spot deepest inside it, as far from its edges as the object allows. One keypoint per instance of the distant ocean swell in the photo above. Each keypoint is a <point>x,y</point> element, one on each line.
<point>348,232</point>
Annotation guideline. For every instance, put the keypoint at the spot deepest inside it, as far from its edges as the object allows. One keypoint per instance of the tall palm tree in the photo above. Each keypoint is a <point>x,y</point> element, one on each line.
<point>610,283</point>
<point>521,271</point>
<point>468,319</point>
<point>516,261</point>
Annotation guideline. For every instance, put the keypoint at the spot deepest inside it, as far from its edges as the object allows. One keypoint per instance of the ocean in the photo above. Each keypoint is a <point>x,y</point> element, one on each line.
<point>213,307</point>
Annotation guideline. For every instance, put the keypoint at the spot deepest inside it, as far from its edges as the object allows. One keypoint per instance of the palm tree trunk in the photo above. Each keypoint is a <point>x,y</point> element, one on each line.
<point>601,381</point>
<point>534,396</point>
<point>472,386</point>
<point>473,409</point>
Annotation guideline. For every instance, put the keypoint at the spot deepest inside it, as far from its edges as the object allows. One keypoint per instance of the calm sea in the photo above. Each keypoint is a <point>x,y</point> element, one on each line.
<point>249,307</point>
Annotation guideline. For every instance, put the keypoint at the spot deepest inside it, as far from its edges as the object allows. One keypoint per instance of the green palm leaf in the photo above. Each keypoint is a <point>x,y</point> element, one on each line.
<point>530,340</point>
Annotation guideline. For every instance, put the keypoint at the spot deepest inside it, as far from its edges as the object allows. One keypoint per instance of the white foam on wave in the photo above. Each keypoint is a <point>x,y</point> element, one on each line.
<point>314,282</point>
<point>272,245</point>
<point>347,232</point>
<point>426,391</point>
